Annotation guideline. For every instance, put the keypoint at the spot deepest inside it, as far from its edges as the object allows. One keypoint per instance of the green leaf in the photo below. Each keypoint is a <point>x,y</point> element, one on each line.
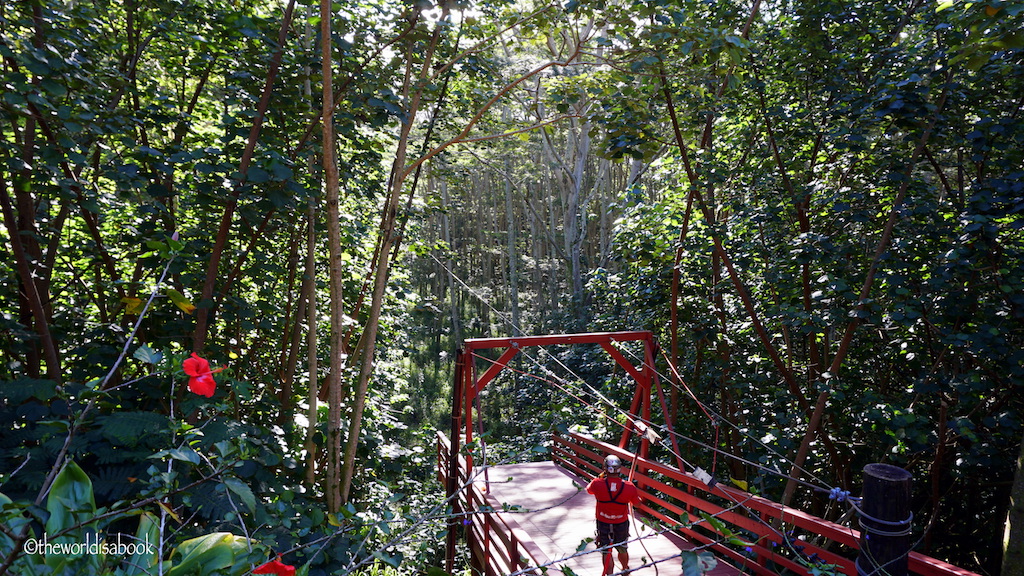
<point>181,454</point>
<point>257,175</point>
<point>691,565</point>
<point>208,554</point>
<point>126,428</point>
<point>180,300</point>
<point>148,355</point>
<point>69,503</point>
<point>147,538</point>
<point>70,499</point>
<point>698,563</point>
<point>18,391</point>
<point>243,491</point>
<point>391,560</point>
<point>717,524</point>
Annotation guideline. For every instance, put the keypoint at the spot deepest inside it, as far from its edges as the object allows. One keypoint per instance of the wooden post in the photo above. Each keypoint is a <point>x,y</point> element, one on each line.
<point>452,485</point>
<point>885,521</point>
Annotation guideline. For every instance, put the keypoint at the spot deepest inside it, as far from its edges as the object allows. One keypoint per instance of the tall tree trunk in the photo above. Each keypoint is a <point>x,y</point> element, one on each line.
<point>513,255</point>
<point>311,312</point>
<point>291,328</point>
<point>34,302</point>
<point>449,272</point>
<point>333,485</point>
<point>386,242</point>
<point>311,356</point>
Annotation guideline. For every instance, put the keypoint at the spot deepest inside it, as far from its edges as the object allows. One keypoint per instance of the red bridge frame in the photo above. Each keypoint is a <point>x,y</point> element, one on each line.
<point>468,386</point>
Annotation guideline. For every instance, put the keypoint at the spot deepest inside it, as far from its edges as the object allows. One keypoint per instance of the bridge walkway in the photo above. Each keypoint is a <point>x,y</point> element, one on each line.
<point>552,506</point>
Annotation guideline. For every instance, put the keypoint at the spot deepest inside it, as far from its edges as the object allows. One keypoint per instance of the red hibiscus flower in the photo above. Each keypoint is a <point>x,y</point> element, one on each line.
<point>275,567</point>
<point>200,379</point>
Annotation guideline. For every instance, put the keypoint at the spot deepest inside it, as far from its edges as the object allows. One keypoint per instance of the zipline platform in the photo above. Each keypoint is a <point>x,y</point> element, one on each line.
<point>553,507</point>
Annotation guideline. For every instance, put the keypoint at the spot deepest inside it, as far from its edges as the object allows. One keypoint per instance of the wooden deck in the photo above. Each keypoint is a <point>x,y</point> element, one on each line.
<point>534,518</point>
<point>552,506</point>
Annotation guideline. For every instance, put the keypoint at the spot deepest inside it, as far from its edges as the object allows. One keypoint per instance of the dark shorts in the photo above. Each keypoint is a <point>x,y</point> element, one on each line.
<point>612,534</point>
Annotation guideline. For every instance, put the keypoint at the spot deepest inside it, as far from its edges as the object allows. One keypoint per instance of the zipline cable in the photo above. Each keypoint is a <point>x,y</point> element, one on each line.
<point>661,442</point>
<point>782,537</point>
<point>605,400</point>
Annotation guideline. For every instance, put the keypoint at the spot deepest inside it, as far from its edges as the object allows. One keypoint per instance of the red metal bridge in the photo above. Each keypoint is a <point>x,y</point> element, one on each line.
<point>535,517</point>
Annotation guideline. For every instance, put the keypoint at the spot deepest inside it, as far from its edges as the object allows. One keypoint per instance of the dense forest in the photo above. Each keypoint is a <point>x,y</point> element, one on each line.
<point>242,242</point>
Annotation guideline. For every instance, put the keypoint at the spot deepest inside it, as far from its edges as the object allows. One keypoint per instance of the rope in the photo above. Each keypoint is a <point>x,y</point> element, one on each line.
<point>720,418</point>
<point>714,449</point>
<point>664,444</point>
<point>632,515</point>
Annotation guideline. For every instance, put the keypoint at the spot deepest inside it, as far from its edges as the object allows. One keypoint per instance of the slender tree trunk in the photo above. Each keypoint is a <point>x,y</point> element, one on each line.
<point>513,254</point>
<point>388,239</point>
<point>38,317</point>
<point>552,276</point>
<point>291,327</point>
<point>333,486</point>
<point>310,295</point>
<point>449,272</point>
<point>674,302</point>
<point>311,355</point>
<point>224,231</point>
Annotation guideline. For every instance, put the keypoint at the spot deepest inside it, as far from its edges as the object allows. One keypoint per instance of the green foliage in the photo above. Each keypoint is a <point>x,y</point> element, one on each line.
<point>125,131</point>
<point>73,542</point>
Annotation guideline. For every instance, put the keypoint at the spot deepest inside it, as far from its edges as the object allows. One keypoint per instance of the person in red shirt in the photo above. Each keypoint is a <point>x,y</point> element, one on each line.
<point>614,494</point>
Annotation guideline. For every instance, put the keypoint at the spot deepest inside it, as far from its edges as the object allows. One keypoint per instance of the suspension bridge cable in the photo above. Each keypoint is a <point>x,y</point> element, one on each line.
<point>552,380</point>
<point>704,407</point>
<point>781,536</point>
<point>728,422</point>
<point>608,402</point>
<point>605,400</point>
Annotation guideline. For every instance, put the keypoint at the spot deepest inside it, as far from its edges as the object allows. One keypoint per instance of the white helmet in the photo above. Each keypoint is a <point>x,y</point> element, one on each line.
<point>612,464</point>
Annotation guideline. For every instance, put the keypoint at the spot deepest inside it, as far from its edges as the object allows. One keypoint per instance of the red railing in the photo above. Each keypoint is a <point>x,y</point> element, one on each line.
<point>498,545</point>
<point>681,500</point>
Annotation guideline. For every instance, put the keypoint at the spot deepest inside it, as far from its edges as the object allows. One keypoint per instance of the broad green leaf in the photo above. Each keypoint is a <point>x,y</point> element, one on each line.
<point>148,355</point>
<point>132,305</point>
<point>243,491</point>
<point>698,563</point>
<point>181,454</point>
<point>70,500</point>
<point>147,538</point>
<point>180,300</point>
<point>210,554</point>
<point>70,503</point>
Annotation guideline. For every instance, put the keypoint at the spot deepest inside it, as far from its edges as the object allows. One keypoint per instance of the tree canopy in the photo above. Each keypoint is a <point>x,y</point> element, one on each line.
<point>815,205</point>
